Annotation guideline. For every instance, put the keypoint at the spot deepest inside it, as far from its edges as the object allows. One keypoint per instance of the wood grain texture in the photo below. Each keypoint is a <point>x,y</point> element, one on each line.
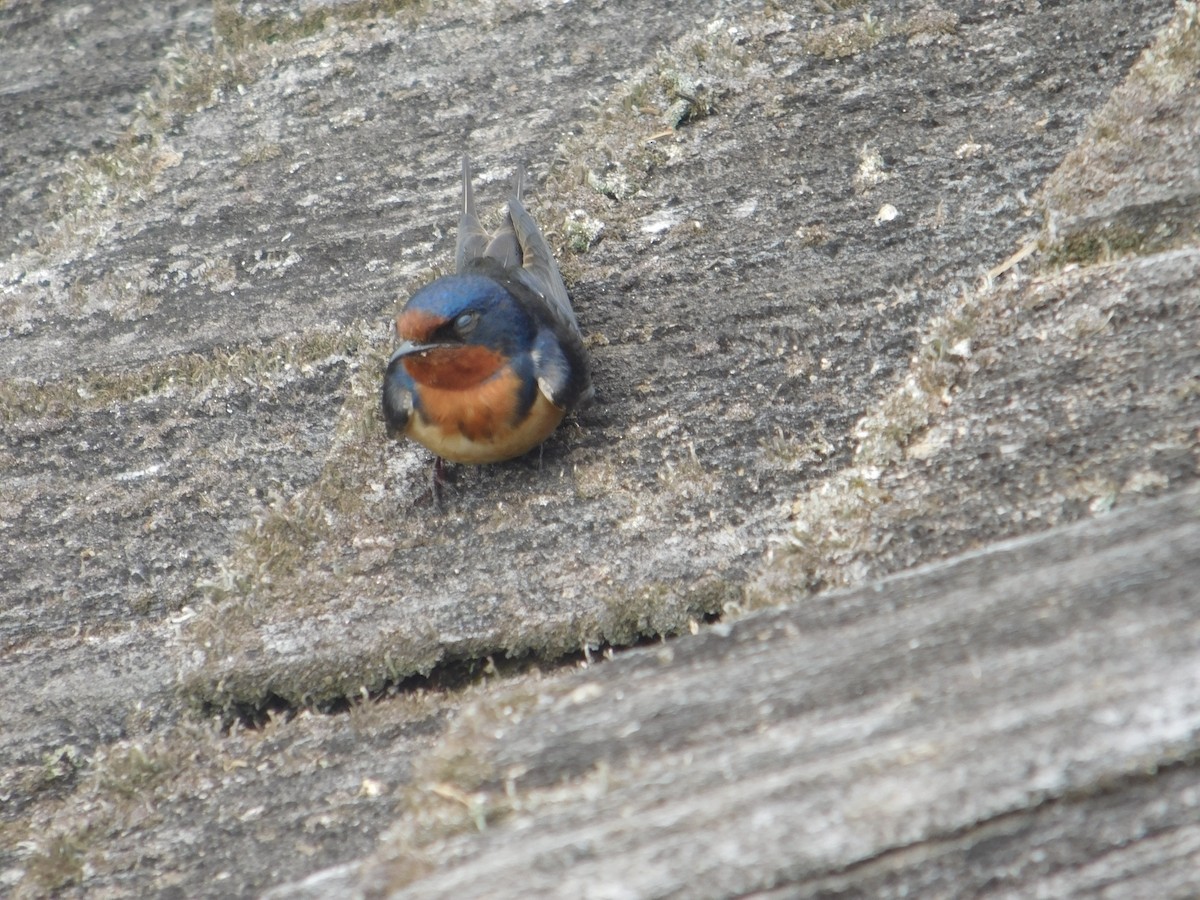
<point>995,721</point>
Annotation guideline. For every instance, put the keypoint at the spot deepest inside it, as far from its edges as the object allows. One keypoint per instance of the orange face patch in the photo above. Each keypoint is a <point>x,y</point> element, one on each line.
<point>454,368</point>
<point>417,326</point>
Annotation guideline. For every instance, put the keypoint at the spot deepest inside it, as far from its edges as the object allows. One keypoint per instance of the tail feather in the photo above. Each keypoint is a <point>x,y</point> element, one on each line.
<point>472,237</point>
<point>517,243</point>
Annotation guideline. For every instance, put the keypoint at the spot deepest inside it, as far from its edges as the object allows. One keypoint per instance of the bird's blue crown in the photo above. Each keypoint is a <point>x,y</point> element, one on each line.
<point>475,309</point>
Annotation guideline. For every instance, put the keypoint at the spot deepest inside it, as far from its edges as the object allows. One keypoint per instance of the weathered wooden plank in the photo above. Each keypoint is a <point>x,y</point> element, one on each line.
<point>203,336</point>
<point>968,714</point>
<point>1139,838</point>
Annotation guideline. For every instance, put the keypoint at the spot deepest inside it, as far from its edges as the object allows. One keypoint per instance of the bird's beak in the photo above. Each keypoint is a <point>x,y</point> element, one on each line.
<point>408,348</point>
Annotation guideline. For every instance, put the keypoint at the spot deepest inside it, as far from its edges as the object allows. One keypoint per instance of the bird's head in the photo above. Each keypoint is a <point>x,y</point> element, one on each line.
<point>459,331</point>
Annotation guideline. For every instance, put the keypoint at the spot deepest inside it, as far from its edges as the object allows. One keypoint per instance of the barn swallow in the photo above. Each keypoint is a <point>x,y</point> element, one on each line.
<point>490,358</point>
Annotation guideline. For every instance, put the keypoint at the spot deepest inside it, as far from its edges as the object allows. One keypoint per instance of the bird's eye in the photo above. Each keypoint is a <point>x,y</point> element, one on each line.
<point>465,323</point>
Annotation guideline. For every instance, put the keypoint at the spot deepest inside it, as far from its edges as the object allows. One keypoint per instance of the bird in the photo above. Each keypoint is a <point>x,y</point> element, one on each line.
<point>491,358</point>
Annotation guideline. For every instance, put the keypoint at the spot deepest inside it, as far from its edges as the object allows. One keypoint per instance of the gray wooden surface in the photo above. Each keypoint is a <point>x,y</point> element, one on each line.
<point>895,325</point>
<point>1025,714</point>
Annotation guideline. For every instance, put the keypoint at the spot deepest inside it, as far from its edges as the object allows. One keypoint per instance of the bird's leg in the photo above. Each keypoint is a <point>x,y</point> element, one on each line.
<point>438,481</point>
